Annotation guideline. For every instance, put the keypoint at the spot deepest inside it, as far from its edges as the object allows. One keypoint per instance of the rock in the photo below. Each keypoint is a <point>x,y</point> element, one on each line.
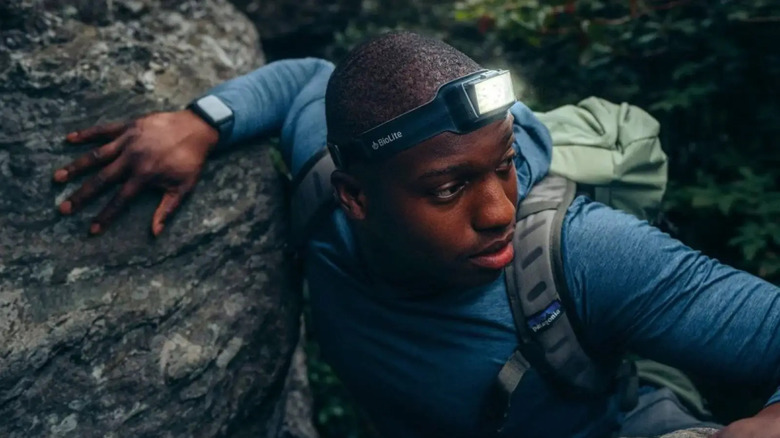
<point>298,28</point>
<point>691,433</point>
<point>188,335</point>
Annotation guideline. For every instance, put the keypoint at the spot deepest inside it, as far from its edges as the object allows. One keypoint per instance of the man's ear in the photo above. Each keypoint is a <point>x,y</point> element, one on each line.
<point>350,193</point>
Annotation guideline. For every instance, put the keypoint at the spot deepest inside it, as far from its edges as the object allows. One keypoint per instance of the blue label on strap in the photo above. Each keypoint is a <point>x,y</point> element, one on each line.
<point>544,319</point>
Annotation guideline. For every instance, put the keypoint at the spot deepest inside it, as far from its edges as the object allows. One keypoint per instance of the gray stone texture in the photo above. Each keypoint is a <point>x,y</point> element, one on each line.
<point>688,433</point>
<point>188,335</point>
<point>692,433</point>
<point>288,22</point>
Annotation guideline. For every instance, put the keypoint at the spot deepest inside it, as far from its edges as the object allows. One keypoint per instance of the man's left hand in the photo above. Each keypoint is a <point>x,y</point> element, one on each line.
<point>766,424</point>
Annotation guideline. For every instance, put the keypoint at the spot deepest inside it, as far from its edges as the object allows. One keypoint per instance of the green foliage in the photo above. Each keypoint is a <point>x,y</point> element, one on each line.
<point>706,70</point>
<point>753,200</point>
<point>335,413</point>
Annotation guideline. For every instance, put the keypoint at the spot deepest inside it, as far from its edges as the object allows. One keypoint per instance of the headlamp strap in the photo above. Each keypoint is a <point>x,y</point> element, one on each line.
<point>460,106</point>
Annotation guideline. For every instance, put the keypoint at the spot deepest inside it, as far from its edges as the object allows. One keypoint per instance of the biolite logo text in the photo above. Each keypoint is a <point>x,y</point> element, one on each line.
<point>384,141</point>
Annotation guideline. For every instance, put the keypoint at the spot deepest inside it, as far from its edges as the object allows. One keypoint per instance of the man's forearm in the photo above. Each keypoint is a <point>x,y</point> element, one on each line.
<point>262,100</point>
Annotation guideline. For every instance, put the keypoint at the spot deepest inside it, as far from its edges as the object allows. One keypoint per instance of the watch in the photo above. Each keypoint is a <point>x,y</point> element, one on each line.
<point>214,111</point>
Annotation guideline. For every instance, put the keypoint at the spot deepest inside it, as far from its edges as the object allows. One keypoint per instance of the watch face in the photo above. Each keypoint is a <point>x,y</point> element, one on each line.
<point>215,108</point>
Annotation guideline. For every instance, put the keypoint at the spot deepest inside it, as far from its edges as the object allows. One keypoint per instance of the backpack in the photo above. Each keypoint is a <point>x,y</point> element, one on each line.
<point>610,153</point>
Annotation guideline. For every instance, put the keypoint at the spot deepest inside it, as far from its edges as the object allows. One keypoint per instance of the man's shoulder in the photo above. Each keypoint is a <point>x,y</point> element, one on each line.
<point>593,232</point>
<point>604,248</point>
<point>586,215</point>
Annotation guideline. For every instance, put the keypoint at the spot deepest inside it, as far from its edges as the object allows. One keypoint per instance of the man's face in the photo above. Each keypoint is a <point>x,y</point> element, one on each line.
<point>443,212</point>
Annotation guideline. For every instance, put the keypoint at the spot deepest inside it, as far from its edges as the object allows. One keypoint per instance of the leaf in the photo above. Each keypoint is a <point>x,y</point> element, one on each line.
<point>739,15</point>
<point>750,249</point>
<point>647,38</point>
<point>724,204</point>
<point>685,70</point>
<point>687,26</point>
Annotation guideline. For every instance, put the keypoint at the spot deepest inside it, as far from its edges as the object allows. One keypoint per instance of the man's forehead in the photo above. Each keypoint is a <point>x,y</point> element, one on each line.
<point>448,148</point>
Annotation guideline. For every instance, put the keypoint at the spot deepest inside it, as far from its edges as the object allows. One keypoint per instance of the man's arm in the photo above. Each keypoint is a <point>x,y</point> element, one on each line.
<point>168,150</point>
<point>286,95</point>
<point>637,288</point>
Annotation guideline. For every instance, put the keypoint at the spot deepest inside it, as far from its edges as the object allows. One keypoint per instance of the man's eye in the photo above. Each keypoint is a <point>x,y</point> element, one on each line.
<point>448,192</point>
<point>507,164</point>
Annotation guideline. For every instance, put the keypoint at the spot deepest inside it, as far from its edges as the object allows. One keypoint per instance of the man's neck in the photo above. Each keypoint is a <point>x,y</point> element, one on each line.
<point>392,271</point>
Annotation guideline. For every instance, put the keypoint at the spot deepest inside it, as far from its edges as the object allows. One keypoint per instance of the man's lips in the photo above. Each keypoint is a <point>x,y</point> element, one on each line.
<point>495,256</point>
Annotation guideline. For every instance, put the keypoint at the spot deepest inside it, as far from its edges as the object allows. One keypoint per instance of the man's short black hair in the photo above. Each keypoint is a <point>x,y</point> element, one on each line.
<point>386,77</point>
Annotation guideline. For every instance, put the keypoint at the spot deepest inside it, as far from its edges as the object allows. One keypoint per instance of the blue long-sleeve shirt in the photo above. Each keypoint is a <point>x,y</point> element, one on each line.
<point>422,366</point>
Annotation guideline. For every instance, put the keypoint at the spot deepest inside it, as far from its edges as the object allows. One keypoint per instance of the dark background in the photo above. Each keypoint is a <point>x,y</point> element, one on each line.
<point>709,71</point>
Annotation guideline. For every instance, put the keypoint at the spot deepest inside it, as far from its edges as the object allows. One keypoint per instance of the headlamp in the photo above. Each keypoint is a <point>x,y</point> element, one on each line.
<point>460,106</point>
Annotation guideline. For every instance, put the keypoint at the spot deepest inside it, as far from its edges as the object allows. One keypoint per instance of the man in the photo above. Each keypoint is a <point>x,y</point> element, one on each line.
<point>406,277</point>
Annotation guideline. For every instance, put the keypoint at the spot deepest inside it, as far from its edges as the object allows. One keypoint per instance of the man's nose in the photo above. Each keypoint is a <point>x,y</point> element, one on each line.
<point>493,208</point>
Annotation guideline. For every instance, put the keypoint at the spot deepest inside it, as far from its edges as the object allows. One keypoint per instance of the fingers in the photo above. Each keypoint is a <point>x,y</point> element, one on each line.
<point>95,157</point>
<point>170,202</point>
<point>108,175</point>
<point>105,132</point>
<point>128,191</point>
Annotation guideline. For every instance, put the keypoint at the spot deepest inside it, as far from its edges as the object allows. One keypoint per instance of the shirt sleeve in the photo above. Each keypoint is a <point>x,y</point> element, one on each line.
<point>637,288</point>
<point>286,97</point>
<point>533,145</point>
<point>775,398</point>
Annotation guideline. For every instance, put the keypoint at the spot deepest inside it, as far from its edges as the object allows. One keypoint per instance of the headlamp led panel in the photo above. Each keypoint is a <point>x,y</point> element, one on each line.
<point>491,93</point>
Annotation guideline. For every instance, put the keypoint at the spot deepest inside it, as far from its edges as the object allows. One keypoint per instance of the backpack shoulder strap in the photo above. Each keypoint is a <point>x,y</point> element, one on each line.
<point>538,293</point>
<point>312,196</point>
<point>536,288</point>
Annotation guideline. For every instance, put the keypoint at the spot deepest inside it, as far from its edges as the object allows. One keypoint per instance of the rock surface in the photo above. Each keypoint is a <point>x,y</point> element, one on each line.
<point>688,433</point>
<point>298,28</point>
<point>188,335</point>
<point>691,433</point>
